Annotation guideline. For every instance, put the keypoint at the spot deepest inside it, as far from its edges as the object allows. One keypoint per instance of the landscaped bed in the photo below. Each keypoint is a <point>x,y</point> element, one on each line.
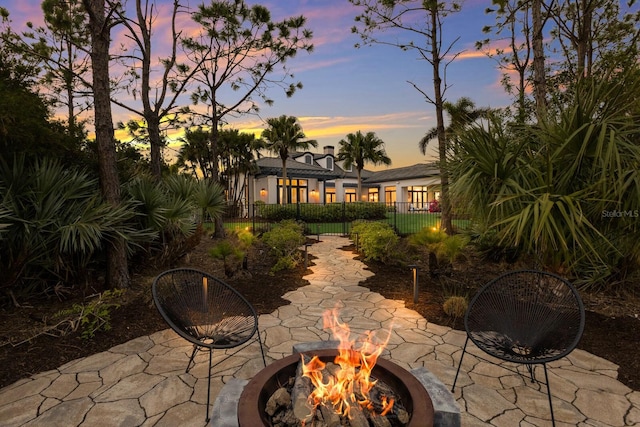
<point>610,332</point>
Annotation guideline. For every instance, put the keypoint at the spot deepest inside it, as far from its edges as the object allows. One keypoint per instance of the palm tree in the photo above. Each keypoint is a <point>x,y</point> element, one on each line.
<point>285,135</point>
<point>461,115</point>
<point>358,149</point>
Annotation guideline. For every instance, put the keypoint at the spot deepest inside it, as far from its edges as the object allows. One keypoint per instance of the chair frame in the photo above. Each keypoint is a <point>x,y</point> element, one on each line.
<point>198,343</point>
<point>523,359</point>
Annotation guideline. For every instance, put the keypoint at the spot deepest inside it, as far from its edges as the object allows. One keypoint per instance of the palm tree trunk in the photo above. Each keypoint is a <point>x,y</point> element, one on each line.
<point>285,186</point>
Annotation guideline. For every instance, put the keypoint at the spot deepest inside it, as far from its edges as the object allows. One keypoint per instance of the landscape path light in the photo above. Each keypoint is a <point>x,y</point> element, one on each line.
<point>414,270</point>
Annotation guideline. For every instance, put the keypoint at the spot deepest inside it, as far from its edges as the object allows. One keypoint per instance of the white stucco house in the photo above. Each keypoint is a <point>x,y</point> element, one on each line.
<point>320,178</point>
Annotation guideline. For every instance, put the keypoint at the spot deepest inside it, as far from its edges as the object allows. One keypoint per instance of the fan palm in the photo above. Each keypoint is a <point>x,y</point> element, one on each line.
<point>357,149</point>
<point>54,223</point>
<point>285,135</point>
<point>461,115</point>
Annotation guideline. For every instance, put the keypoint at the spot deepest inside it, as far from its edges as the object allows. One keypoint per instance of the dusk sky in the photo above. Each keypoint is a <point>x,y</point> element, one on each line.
<point>348,89</point>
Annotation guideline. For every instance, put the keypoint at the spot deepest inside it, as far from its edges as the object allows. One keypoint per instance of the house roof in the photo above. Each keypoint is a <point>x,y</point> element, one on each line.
<point>421,170</point>
<point>273,166</point>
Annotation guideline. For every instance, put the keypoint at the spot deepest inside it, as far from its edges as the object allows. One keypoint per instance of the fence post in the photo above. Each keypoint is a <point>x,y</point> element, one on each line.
<point>298,211</point>
<point>253,217</point>
<point>395,216</point>
<point>344,218</point>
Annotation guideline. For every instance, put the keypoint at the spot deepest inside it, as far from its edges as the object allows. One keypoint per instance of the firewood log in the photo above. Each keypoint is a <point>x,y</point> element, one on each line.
<point>302,388</point>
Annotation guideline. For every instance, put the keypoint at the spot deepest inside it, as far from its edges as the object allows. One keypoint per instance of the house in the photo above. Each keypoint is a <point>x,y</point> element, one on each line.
<point>320,178</point>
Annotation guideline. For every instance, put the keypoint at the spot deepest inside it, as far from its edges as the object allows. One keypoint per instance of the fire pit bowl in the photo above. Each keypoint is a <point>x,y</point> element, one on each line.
<point>253,400</point>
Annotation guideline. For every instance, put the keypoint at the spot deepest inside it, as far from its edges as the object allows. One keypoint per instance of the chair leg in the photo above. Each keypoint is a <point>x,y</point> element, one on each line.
<point>464,349</point>
<point>193,355</point>
<point>532,373</point>
<point>261,348</point>
<point>546,378</point>
<point>209,384</point>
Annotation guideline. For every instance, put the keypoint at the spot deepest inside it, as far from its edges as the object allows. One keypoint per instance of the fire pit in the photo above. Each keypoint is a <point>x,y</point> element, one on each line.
<point>253,400</point>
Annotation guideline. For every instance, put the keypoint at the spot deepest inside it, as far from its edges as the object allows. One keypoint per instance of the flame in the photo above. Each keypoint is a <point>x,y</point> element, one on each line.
<point>356,359</point>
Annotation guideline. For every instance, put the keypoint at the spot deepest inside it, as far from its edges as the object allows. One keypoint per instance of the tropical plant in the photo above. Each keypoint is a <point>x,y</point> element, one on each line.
<point>357,149</point>
<point>174,210</point>
<point>551,190</point>
<point>238,153</point>
<point>233,250</point>
<point>54,225</point>
<point>283,136</point>
<point>461,114</point>
<point>230,254</point>
<point>442,249</point>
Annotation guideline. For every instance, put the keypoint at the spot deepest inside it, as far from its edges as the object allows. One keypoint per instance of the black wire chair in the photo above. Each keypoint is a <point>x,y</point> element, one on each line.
<point>206,312</point>
<point>526,317</point>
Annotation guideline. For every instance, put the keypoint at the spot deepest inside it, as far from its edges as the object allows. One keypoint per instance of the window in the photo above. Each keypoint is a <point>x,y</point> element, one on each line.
<point>330,195</point>
<point>390,195</point>
<point>330,163</point>
<point>373,195</point>
<point>297,190</point>
<point>308,159</point>
<point>350,195</point>
<point>419,196</point>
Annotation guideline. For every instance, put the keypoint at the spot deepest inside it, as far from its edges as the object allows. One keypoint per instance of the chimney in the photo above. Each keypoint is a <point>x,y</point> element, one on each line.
<point>328,149</point>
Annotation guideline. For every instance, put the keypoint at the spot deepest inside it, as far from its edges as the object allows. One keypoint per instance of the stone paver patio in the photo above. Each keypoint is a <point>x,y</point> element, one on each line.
<point>143,383</point>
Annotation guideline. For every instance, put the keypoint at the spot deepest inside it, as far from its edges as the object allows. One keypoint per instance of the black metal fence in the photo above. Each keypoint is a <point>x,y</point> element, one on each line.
<point>336,218</point>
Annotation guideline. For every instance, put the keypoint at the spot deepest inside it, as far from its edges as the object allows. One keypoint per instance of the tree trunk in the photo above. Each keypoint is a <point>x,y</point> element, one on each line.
<point>155,142</point>
<point>117,266</point>
<point>359,173</point>
<point>151,116</point>
<point>285,187</point>
<point>445,216</point>
<point>215,173</point>
<point>539,78</point>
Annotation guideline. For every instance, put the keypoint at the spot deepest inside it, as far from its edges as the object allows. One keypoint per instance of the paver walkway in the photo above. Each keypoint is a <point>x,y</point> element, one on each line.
<point>142,382</point>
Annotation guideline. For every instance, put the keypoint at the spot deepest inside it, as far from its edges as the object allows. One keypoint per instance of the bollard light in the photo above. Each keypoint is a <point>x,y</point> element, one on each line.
<point>306,255</point>
<point>414,270</point>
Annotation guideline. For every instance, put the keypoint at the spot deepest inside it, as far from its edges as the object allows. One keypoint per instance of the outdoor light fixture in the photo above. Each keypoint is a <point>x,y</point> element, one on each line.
<point>263,192</point>
<point>414,270</point>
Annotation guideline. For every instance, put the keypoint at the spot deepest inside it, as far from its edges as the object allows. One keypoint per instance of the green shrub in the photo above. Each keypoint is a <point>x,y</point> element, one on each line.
<point>332,212</point>
<point>284,241</point>
<point>376,240</point>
